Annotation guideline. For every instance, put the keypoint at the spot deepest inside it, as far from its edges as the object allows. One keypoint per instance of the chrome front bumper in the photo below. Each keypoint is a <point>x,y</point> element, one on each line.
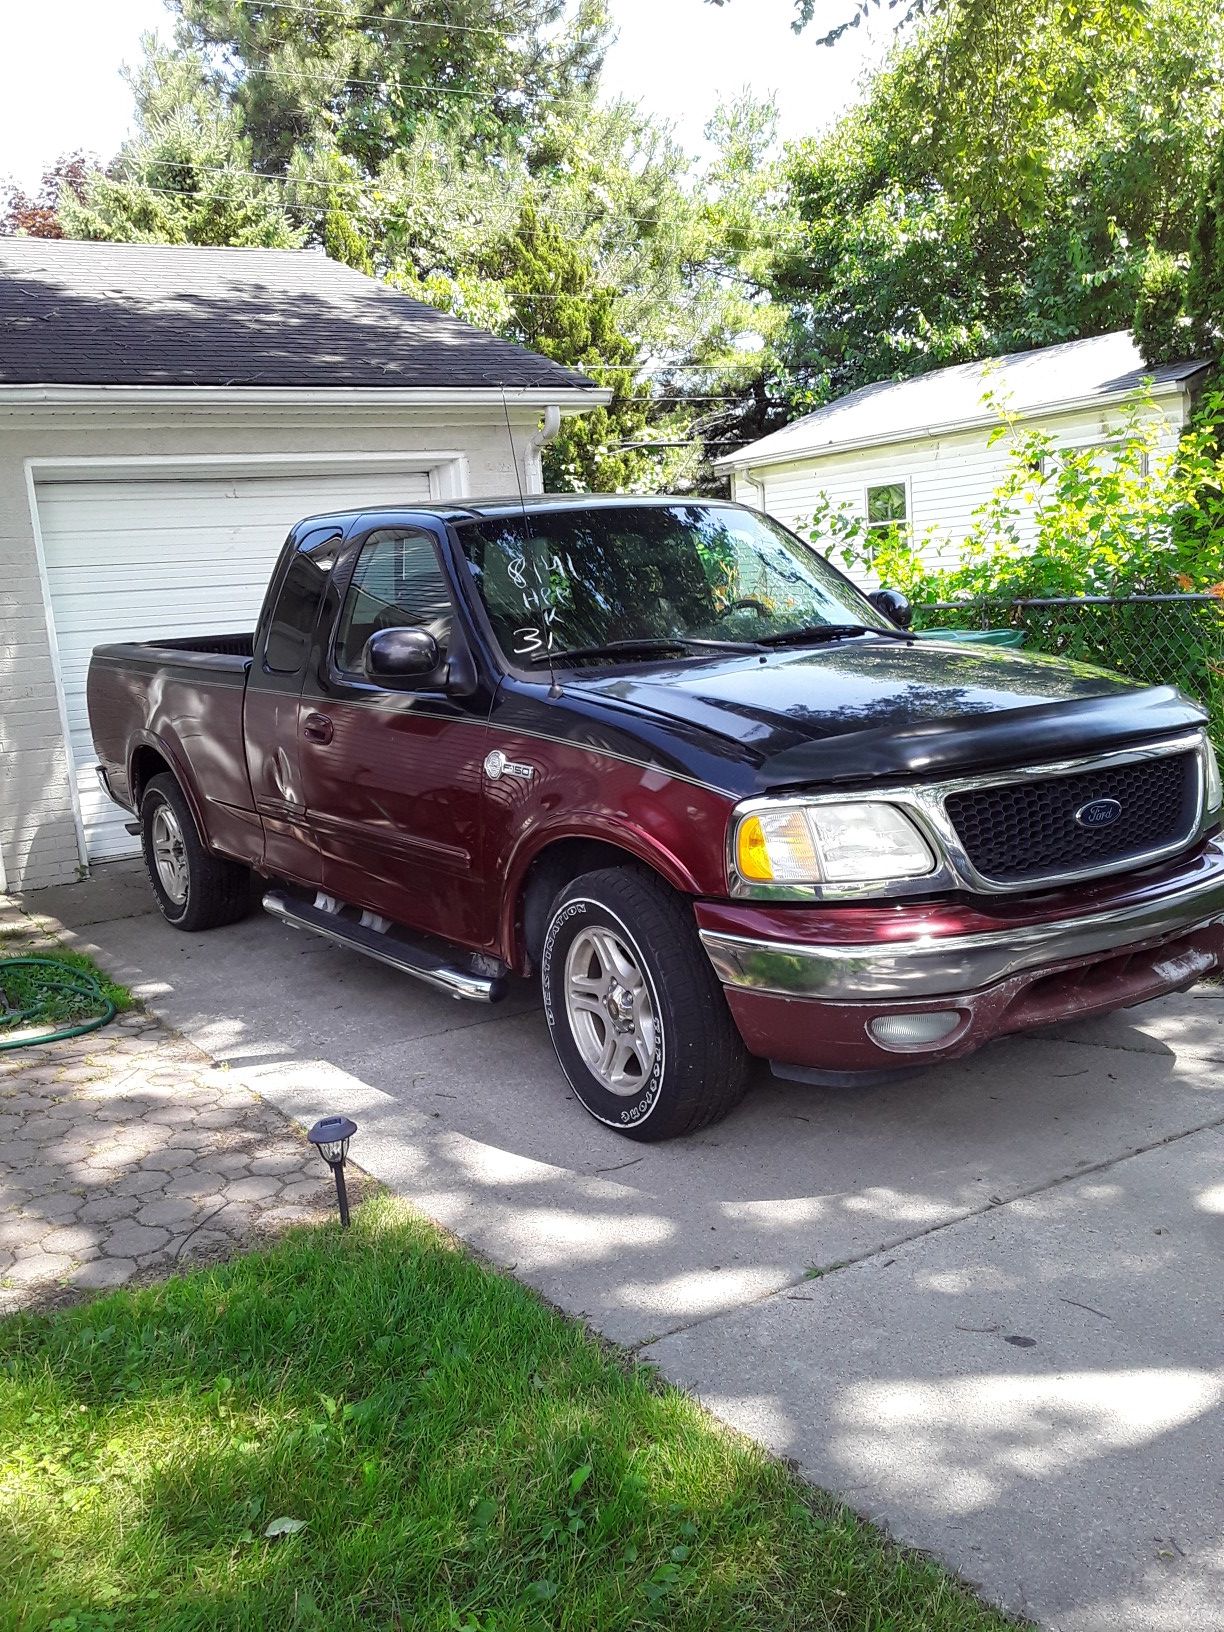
<point>934,966</point>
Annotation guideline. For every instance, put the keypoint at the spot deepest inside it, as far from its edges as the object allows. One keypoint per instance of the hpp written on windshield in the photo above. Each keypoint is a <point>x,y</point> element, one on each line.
<point>543,586</point>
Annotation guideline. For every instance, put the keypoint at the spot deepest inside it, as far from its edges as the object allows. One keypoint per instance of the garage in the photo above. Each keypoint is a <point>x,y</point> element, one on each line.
<point>167,412</point>
<point>180,553</point>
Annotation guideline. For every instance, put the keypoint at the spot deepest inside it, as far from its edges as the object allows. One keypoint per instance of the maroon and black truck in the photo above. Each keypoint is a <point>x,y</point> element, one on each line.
<point>663,754</point>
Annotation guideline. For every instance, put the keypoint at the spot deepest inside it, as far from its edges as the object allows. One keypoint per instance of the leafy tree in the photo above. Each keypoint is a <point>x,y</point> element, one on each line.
<point>291,121</point>
<point>1205,274</point>
<point>948,218</point>
<point>1180,307</point>
<point>38,215</point>
<point>743,218</point>
<point>560,309</point>
<point>1162,330</point>
<point>602,189</point>
<point>999,23</point>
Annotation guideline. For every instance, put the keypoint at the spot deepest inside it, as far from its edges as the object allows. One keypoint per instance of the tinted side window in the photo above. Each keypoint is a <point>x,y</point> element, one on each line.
<point>297,606</point>
<point>397,584</point>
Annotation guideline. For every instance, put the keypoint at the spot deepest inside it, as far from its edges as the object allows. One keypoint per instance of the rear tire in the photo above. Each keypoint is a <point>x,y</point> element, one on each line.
<point>636,1014</point>
<point>195,889</point>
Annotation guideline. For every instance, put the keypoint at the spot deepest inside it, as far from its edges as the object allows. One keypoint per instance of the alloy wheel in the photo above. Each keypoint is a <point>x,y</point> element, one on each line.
<point>610,1011</point>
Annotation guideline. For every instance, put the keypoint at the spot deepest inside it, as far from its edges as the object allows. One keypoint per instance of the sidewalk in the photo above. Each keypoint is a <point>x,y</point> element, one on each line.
<point>126,1152</point>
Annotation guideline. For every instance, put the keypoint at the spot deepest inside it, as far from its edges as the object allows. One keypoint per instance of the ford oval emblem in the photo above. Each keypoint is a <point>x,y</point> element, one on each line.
<point>1098,813</point>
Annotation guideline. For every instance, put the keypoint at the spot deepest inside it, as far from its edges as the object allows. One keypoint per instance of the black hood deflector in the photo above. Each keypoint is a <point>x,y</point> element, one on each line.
<point>982,743</point>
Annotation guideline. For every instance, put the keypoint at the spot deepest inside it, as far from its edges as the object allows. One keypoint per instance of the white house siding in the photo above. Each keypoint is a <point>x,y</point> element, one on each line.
<point>949,475</point>
<point>39,831</point>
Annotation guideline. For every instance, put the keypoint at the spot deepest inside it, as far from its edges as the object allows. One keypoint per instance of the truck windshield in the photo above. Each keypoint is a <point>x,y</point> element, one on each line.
<point>565,579</point>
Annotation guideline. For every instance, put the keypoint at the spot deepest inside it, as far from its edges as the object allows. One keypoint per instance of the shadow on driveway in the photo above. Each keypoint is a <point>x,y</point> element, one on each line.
<point>1001,1198</point>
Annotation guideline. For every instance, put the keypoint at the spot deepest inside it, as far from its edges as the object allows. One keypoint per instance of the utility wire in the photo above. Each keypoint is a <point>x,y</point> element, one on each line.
<point>291,207</point>
<point>346,80</point>
<point>644,370</point>
<point>684,442</point>
<point>349,183</point>
<point>201,192</point>
<point>372,17</point>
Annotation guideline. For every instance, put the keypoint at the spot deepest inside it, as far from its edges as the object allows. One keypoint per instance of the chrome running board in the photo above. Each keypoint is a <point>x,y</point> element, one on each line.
<point>409,957</point>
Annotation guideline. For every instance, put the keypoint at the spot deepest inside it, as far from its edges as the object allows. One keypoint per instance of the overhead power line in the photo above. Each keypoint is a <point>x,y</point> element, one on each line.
<point>683,442</point>
<point>346,183</point>
<point>345,80</point>
<point>371,17</point>
<point>291,207</point>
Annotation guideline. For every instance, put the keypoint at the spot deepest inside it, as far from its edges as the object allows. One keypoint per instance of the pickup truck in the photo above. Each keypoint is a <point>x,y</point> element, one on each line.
<point>661,754</point>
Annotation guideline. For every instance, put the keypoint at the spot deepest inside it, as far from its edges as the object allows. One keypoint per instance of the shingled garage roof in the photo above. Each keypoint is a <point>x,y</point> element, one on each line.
<point>83,313</point>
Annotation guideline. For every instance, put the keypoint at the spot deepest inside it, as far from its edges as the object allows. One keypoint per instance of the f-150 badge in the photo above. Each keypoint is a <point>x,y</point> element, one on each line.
<point>497,765</point>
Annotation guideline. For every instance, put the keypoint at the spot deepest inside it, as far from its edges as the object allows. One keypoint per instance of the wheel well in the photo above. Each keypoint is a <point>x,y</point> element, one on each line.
<point>549,873</point>
<point>146,764</point>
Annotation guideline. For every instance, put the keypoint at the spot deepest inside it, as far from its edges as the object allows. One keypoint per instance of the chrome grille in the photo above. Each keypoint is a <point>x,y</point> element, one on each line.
<point>1015,831</point>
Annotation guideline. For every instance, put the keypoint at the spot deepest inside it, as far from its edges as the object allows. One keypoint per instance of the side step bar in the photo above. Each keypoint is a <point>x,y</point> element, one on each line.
<point>404,955</point>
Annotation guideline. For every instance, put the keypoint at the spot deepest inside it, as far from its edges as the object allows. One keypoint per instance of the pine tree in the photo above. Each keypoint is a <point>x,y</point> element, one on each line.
<point>362,75</point>
<point>559,308</point>
<point>185,179</point>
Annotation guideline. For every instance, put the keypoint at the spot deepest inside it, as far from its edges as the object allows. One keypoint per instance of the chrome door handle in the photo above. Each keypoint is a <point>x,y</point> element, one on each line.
<point>318,728</point>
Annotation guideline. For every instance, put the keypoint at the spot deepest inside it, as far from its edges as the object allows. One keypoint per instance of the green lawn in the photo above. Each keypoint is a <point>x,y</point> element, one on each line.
<point>457,1456</point>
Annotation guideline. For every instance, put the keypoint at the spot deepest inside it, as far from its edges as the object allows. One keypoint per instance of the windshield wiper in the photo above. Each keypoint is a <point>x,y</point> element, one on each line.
<point>647,646</point>
<point>817,633</point>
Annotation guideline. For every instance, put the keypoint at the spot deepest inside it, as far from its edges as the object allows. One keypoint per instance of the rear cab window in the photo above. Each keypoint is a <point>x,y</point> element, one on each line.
<point>292,621</point>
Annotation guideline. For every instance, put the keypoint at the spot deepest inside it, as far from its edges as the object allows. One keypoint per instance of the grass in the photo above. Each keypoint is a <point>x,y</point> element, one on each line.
<point>458,1457</point>
<point>52,1000</point>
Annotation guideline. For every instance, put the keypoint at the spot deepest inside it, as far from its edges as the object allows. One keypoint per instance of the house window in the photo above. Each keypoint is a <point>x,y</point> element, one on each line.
<point>887,510</point>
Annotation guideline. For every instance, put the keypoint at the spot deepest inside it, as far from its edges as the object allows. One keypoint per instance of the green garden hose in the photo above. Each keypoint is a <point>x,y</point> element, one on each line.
<point>64,987</point>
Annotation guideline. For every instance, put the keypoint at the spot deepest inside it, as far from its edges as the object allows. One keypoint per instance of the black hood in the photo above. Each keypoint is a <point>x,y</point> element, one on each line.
<point>869,709</point>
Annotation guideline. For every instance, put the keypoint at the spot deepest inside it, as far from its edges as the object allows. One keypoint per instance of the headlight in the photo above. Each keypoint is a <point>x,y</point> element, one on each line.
<point>1215,796</point>
<point>834,843</point>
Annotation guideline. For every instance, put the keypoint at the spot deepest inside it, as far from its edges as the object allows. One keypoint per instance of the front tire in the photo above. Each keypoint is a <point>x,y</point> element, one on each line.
<point>636,1013</point>
<point>195,889</point>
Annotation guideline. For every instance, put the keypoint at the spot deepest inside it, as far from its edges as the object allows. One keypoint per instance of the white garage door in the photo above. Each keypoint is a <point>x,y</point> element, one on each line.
<point>139,558</point>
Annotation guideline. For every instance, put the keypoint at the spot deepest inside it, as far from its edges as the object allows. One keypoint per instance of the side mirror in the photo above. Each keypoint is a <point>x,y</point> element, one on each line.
<point>893,605</point>
<point>401,654</point>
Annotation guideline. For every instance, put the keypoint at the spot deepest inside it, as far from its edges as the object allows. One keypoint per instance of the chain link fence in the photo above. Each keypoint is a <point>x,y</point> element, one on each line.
<point>1160,639</point>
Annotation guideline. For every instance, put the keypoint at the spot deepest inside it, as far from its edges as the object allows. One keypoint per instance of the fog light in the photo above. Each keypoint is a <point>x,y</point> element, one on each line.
<point>913,1030</point>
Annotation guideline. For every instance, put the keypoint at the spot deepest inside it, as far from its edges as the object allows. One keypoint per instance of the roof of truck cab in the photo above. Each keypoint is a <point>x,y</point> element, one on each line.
<point>458,511</point>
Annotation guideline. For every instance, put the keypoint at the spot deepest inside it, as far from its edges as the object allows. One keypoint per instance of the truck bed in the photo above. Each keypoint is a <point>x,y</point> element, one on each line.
<point>185,694</point>
<point>184,647</point>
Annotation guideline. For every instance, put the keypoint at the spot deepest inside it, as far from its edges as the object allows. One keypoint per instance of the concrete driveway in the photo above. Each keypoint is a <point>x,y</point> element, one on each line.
<point>984,1305</point>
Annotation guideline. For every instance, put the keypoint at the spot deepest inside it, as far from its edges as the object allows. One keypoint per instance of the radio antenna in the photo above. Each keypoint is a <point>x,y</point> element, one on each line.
<point>554,690</point>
